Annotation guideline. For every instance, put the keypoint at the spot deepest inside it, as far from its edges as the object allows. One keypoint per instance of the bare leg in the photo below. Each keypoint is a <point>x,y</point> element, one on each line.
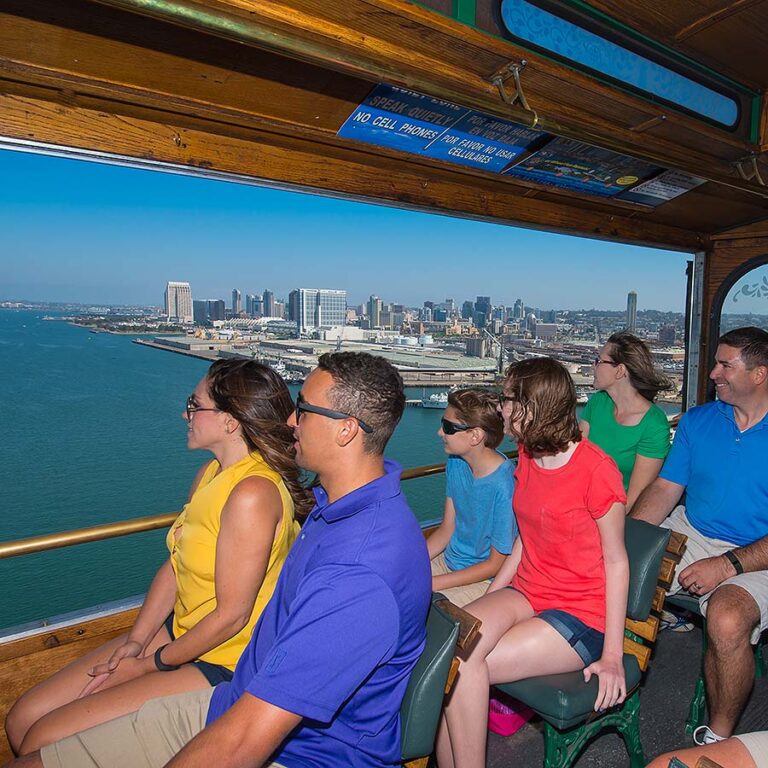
<point>530,647</point>
<point>730,753</point>
<point>104,705</point>
<point>729,664</point>
<point>498,611</point>
<point>28,761</point>
<point>62,688</point>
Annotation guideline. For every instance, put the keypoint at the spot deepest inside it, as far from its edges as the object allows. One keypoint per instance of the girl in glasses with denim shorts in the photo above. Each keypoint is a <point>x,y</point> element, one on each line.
<point>558,602</point>
<point>478,526</point>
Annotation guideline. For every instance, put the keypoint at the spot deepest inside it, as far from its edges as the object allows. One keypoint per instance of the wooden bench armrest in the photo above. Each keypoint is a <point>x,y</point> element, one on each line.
<point>469,626</point>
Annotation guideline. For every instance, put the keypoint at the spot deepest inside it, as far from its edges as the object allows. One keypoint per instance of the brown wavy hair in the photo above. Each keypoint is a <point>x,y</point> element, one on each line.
<point>633,353</point>
<point>544,403</point>
<point>479,408</point>
<point>259,399</point>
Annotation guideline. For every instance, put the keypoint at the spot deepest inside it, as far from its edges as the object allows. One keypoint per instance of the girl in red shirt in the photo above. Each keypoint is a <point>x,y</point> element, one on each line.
<point>559,601</point>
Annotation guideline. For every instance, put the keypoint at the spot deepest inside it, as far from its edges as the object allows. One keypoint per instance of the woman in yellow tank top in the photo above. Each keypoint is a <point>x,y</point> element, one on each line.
<point>226,550</point>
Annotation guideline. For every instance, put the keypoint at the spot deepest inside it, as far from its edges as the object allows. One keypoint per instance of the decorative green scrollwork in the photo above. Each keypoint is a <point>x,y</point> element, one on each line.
<point>561,748</point>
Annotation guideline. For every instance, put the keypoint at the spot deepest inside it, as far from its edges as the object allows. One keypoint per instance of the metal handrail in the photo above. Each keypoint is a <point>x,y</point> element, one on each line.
<point>51,541</point>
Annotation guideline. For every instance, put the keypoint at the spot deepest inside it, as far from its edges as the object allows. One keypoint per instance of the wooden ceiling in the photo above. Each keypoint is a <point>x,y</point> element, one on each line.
<point>728,37</point>
<point>259,89</point>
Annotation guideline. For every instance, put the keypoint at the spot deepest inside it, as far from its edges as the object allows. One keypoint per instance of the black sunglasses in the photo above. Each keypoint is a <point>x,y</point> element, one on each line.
<point>451,427</point>
<point>503,399</point>
<point>302,406</point>
<point>192,407</point>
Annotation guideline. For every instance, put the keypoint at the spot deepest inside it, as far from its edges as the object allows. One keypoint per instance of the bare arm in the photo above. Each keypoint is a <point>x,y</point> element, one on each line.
<point>656,502</point>
<point>438,541</point>
<point>243,737</point>
<point>609,668</point>
<point>706,574</point>
<point>157,605</point>
<point>487,569</point>
<point>249,522</point>
<point>584,427</point>
<point>508,568</point>
<point>645,471</point>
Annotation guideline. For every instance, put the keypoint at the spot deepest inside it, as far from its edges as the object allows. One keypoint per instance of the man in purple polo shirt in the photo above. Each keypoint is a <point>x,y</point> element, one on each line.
<point>321,682</point>
<point>719,459</point>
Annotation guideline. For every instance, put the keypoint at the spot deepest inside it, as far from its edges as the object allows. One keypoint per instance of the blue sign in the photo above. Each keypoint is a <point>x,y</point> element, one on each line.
<point>580,167</point>
<point>413,122</point>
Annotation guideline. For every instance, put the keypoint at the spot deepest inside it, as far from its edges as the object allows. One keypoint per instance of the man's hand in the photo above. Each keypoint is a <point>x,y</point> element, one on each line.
<point>703,576</point>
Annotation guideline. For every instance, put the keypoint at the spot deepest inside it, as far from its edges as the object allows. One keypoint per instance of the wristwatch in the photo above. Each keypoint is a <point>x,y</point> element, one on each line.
<point>160,664</point>
<point>730,556</point>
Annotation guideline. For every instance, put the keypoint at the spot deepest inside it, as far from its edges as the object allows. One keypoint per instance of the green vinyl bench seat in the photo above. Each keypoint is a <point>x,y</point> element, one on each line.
<point>565,702</point>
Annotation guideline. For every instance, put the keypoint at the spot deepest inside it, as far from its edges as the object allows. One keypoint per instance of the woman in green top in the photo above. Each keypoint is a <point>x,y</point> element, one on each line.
<point>621,418</point>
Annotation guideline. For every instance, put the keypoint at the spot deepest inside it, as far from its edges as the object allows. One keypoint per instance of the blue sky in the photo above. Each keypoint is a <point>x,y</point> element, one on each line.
<point>80,231</point>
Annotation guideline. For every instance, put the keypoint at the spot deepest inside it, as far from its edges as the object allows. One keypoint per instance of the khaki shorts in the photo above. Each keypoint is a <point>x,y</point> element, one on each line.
<point>460,596</point>
<point>148,738</point>
<point>700,547</point>
<point>757,746</point>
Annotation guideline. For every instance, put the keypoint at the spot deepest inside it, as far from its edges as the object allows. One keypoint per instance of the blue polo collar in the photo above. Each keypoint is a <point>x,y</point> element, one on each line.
<point>385,487</point>
<point>727,410</point>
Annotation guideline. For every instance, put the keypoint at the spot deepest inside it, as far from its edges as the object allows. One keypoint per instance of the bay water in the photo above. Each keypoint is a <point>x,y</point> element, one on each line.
<point>92,433</point>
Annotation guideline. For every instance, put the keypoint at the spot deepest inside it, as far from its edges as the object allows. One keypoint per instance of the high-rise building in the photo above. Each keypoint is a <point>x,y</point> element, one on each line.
<point>178,302</point>
<point>374,312</point>
<point>467,308</point>
<point>293,306</point>
<point>250,304</point>
<point>450,306</point>
<point>269,303</point>
<point>208,310</point>
<point>632,311</point>
<point>237,304</point>
<point>216,309</point>
<point>200,312</point>
<point>519,311</point>
<point>321,308</point>
<point>482,311</point>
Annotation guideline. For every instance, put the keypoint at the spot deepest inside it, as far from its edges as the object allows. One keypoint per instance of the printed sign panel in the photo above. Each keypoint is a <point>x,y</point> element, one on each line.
<point>412,122</point>
<point>666,186</point>
<point>580,167</point>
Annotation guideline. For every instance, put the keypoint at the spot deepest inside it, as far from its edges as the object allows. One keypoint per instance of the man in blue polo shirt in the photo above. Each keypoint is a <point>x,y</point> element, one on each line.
<point>322,679</point>
<point>720,459</point>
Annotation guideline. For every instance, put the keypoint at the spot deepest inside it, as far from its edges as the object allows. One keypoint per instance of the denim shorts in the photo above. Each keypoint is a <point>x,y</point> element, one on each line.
<point>587,642</point>
<point>213,673</point>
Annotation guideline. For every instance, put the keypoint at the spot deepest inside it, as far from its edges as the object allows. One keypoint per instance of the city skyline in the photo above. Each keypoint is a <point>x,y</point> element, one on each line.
<point>89,233</point>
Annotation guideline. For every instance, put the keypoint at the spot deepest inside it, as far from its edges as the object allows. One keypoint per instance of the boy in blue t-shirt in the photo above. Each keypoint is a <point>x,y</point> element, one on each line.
<point>479,527</point>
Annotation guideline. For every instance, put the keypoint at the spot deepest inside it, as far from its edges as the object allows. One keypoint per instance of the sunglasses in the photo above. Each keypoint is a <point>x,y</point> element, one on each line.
<point>192,407</point>
<point>302,406</point>
<point>451,427</point>
<point>597,361</point>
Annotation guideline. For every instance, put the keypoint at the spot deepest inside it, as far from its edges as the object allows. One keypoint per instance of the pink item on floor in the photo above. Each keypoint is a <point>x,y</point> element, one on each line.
<point>508,716</point>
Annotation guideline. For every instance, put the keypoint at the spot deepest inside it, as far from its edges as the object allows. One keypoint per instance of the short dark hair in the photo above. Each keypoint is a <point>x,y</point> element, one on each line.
<point>753,343</point>
<point>368,387</point>
<point>634,355</point>
<point>542,389</point>
<point>479,408</point>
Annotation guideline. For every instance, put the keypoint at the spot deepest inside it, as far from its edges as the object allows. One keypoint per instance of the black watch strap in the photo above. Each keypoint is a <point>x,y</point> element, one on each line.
<point>730,555</point>
<point>160,665</point>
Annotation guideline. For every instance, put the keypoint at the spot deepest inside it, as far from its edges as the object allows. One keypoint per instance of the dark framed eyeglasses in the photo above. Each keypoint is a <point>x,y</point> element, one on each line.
<point>599,361</point>
<point>192,407</point>
<point>504,399</point>
<point>302,406</point>
<point>451,427</point>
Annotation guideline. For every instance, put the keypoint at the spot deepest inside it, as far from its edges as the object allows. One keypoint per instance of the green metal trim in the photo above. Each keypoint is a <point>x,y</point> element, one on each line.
<point>465,11</point>
<point>562,748</point>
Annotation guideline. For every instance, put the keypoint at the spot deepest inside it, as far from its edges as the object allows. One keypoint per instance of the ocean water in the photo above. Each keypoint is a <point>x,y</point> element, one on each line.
<point>92,433</point>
